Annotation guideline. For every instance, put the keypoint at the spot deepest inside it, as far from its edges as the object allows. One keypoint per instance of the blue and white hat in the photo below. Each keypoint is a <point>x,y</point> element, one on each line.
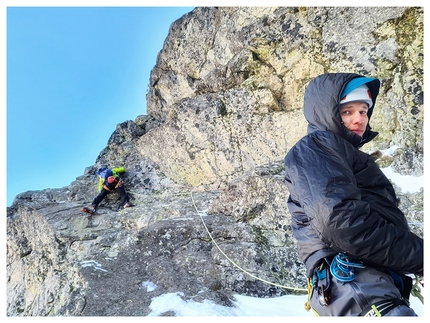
<point>357,91</point>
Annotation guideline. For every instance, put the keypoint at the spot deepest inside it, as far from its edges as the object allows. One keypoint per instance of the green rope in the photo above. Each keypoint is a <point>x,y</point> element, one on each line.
<point>237,266</point>
<point>416,290</point>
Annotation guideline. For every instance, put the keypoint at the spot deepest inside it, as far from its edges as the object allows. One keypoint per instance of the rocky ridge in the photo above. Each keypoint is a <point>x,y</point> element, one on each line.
<point>224,107</point>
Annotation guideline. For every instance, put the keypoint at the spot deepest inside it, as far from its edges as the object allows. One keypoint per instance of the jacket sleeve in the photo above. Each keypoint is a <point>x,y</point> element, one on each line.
<point>322,181</point>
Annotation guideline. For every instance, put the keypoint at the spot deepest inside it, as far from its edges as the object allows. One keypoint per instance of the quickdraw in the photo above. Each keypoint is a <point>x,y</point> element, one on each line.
<point>321,284</point>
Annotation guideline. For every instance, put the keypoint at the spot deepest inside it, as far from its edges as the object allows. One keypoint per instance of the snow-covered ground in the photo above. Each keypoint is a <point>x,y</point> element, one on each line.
<point>244,306</point>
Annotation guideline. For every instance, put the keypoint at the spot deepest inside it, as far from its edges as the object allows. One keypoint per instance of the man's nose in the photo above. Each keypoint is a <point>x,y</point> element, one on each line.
<point>359,118</point>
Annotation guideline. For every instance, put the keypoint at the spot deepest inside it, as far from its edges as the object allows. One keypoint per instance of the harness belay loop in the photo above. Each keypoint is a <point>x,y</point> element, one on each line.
<point>343,269</point>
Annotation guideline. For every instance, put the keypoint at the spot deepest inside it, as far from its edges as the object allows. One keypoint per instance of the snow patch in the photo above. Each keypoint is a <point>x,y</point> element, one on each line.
<point>150,286</point>
<point>92,263</point>
<point>407,183</point>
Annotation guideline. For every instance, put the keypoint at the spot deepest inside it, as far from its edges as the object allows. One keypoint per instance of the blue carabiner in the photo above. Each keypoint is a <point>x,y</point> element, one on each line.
<point>342,269</point>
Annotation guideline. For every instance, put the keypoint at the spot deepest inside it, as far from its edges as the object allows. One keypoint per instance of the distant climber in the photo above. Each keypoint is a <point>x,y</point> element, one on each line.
<point>109,181</point>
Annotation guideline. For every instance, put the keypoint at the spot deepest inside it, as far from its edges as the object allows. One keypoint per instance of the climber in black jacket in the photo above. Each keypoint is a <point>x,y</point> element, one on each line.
<point>356,244</point>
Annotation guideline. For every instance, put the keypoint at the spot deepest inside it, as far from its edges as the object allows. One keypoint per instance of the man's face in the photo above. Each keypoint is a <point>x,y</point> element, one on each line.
<point>354,117</point>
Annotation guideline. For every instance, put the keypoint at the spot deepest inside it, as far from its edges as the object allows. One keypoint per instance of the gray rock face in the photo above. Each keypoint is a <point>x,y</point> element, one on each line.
<point>204,167</point>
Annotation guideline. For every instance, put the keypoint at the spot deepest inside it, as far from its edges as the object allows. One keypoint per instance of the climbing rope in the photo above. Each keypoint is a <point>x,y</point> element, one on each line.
<point>305,290</point>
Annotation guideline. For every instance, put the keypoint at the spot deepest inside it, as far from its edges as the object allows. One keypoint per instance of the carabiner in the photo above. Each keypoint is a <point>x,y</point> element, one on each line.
<point>323,296</point>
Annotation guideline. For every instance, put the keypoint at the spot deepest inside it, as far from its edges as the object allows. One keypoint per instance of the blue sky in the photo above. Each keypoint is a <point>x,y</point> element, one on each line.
<point>73,74</point>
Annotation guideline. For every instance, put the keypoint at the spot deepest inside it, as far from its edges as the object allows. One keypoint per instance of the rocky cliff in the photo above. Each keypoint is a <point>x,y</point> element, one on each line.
<point>204,166</point>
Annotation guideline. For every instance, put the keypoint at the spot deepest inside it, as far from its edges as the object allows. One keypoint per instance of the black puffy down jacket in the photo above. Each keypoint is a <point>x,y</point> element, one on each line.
<point>340,201</point>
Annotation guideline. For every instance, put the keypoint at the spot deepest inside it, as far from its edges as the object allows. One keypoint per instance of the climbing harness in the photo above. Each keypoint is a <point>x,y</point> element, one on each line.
<point>120,182</point>
<point>343,269</point>
<point>237,266</point>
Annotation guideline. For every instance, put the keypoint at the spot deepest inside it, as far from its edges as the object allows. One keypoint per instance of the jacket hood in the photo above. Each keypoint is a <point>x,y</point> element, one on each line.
<point>322,107</point>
